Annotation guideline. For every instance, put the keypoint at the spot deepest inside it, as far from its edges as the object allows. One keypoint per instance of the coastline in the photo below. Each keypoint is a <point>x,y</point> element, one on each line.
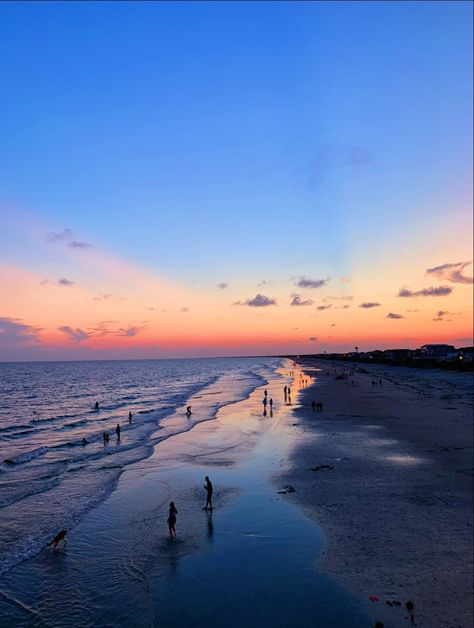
<point>396,503</point>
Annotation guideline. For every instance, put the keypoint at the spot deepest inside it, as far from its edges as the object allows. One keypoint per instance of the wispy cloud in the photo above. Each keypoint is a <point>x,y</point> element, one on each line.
<point>338,298</point>
<point>65,282</point>
<point>338,156</point>
<point>342,307</point>
<point>184,309</point>
<point>394,316</point>
<point>440,291</point>
<point>14,331</point>
<point>67,237</point>
<point>75,335</point>
<point>441,315</point>
<point>370,304</point>
<point>313,339</point>
<point>128,332</point>
<point>324,307</point>
<point>222,285</point>
<point>102,297</point>
<point>306,282</point>
<point>297,300</point>
<point>265,282</point>
<point>259,300</point>
<point>451,272</point>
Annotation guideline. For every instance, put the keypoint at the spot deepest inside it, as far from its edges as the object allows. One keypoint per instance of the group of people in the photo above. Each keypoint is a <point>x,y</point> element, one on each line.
<point>173,511</point>
<point>118,428</point>
<point>317,405</point>
<point>287,393</point>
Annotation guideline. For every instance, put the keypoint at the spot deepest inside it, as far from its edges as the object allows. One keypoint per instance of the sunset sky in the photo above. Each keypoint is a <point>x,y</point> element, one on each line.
<point>204,179</point>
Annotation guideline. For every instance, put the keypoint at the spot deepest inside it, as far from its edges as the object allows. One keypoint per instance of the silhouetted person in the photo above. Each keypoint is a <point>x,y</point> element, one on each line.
<point>130,416</point>
<point>188,410</point>
<point>410,607</point>
<point>118,430</point>
<point>84,442</point>
<point>104,436</point>
<point>271,402</point>
<point>107,437</point>
<point>172,519</point>
<point>265,392</point>
<point>96,405</point>
<point>60,536</point>
<point>313,405</point>
<point>265,401</point>
<point>208,487</point>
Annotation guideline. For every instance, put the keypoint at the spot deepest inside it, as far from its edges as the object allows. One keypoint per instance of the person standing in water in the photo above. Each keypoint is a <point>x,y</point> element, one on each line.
<point>130,416</point>
<point>117,431</point>
<point>96,405</point>
<point>209,489</point>
<point>172,519</point>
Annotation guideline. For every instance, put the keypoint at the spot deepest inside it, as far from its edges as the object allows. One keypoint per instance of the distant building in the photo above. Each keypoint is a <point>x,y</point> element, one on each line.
<point>438,351</point>
<point>397,354</point>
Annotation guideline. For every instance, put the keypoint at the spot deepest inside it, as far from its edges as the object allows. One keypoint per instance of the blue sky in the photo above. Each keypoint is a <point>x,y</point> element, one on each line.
<point>236,141</point>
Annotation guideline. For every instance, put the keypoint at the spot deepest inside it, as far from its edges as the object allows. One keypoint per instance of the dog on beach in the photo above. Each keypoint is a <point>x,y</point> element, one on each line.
<point>60,536</point>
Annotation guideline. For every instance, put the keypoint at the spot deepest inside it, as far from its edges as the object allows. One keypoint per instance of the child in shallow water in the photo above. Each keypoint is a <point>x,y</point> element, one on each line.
<point>172,519</point>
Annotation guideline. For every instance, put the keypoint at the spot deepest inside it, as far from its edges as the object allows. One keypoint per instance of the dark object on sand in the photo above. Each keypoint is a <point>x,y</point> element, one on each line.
<point>60,536</point>
<point>320,467</point>
<point>378,624</point>
<point>411,609</point>
<point>287,489</point>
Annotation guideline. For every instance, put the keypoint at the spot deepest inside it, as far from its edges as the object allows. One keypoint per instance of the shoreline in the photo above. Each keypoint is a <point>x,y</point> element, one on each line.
<point>395,503</point>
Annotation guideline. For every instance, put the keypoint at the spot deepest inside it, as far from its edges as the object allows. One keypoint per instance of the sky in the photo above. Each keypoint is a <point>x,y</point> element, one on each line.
<point>193,179</point>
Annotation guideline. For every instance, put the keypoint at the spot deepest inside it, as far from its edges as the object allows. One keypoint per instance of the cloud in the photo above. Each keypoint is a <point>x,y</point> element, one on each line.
<point>259,300</point>
<point>313,339</point>
<point>184,309</point>
<point>222,285</point>
<point>297,300</point>
<point>338,298</point>
<point>65,282</point>
<point>305,282</point>
<point>14,331</point>
<point>342,307</point>
<point>75,335</point>
<point>102,297</point>
<point>129,332</point>
<point>452,272</point>
<point>395,316</point>
<point>324,307</point>
<point>369,305</point>
<point>68,238</point>
<point>344,280</point>
<point>416,310</point>
<point>440,291</point>
<point>338,156</point>
<point>265,282</point>
<point>441,315</point>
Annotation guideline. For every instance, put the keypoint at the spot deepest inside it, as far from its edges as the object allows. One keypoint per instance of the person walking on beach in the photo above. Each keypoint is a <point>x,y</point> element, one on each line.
<point>271,403</point>
<point>172,520</point>
<point>118,430</point>
<point>209,489</point>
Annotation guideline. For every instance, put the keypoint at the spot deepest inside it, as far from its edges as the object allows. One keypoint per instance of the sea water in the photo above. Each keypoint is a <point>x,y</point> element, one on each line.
<point>54,464</point>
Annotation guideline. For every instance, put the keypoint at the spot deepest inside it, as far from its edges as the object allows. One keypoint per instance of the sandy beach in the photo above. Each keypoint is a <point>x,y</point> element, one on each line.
<point>395,500</point>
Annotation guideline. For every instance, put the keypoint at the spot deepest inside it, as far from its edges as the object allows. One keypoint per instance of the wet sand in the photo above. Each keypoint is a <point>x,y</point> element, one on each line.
<point>396,503</point>
<point>251,563</point>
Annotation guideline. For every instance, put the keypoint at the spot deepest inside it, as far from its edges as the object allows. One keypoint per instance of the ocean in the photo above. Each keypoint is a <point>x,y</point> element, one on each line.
<point>54,464</point>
